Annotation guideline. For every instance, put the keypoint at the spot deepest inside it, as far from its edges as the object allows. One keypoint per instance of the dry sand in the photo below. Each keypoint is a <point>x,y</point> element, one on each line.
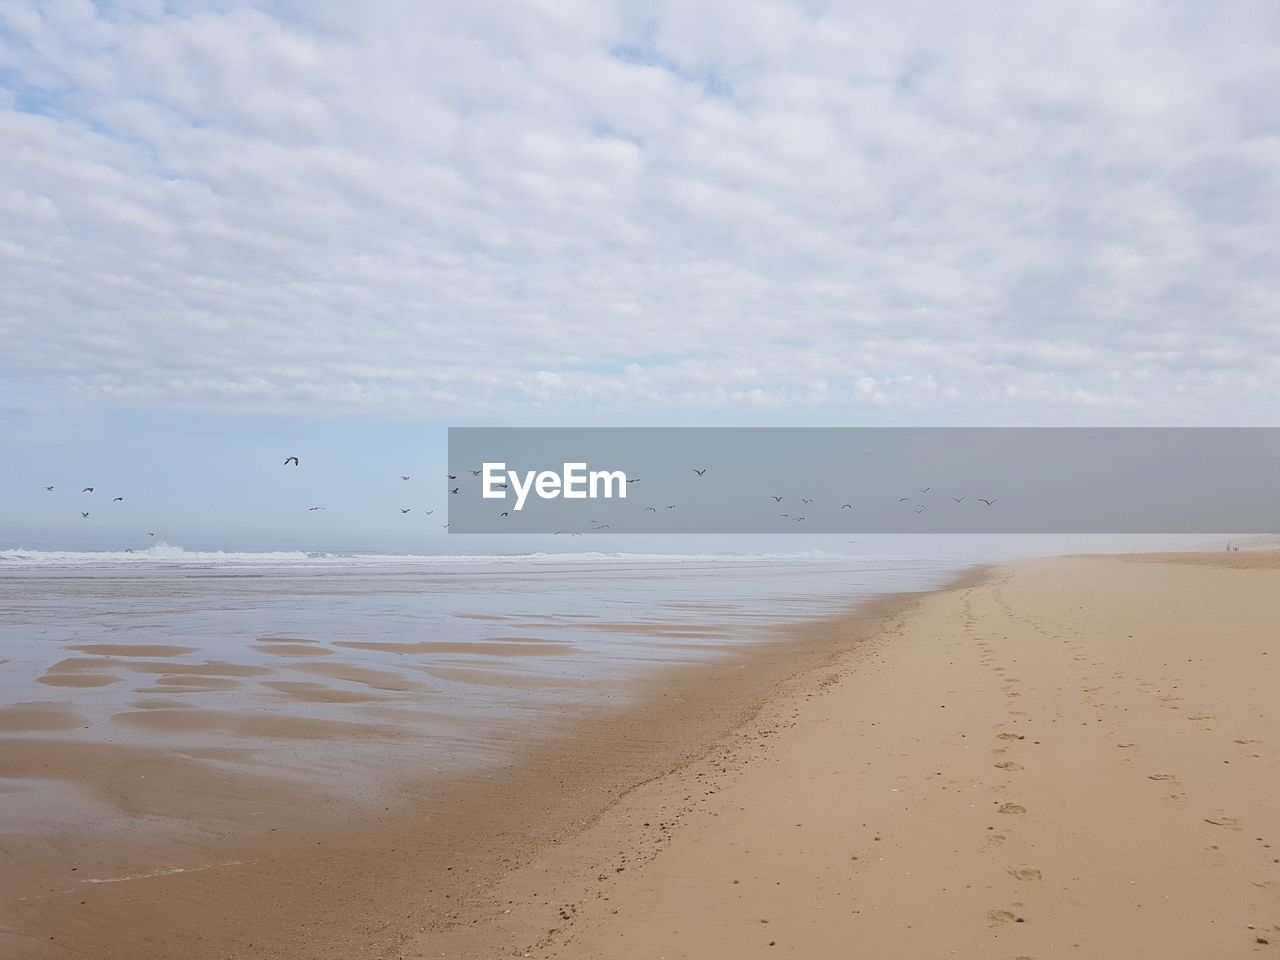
<point>1067,758</point>
<point>1075,758</point>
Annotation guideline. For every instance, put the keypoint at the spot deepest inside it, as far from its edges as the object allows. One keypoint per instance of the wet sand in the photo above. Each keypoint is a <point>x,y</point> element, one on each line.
<point>1077,757</point>
<point>204,835</point>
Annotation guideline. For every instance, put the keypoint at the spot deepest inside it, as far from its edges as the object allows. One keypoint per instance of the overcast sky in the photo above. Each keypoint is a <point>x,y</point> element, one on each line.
<point>233,228</point>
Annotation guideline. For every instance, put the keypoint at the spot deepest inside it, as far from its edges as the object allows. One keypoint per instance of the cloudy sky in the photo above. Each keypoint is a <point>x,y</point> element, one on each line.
<point>233,231</point>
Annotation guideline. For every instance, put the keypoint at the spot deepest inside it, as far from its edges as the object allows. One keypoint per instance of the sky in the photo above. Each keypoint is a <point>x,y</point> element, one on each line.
<point>234,232</point>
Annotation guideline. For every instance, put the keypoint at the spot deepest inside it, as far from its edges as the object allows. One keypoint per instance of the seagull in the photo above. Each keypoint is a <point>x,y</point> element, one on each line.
<point>293,460</point>
<point>776,499</point>
<point>958,499</point>
<point>454,490</point>
<point>504,514</point>
<point>797,519</point>
<point>920,507</point>
<point>50,489</point>
<point>988,502</point>
<point>309,509</point>
<point>83,514</point>
<point>603,526</point>
<point>671,506</point>
<point>428,512</point>
<point>118,500</point>
<point>700,472</point>
<point>87,490</point>
<point>404,478</point>
<point>926,489</point>
<point>475,473</point>
<point>806,500</point>
<point>453,476</point>
<point>904,499</point>
<point>633,480</point>
<point>502,486</point>
<point>405,509</point>
<point>650,509</point>
<point>846,506</point>
<point>445,526</point>
<point>150,534</point>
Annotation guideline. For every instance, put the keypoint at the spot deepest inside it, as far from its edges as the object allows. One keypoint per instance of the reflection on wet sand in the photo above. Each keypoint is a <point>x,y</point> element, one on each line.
<point>497,647</point>
<point>39,717</point>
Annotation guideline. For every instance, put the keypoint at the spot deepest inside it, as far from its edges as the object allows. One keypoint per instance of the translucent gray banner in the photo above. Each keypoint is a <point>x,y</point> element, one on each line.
<point>864,480</point>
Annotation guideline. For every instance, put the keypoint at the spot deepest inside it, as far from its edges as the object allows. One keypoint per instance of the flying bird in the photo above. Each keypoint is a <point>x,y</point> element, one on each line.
<point>404,478</point>
<point>83,514</point>
<point>293,460</point>
<point>958,499</point>
<point>650,509</point>
<point>87,490</point>
<point>445,526</point>
<point>806,499</point>
<point>504,514</point>
<point>633,480</point>
<point>920,507</point>
<point>777,499</point>
<point>700,472</point>
<point>926,489</point>
<point>455,490</point>
<point>150,534</point>
<point>118,500</point>
<point>904,499</point>
<point>671,506</point>
<point>988,502</point>
<point>475,473</point>
<point>428,512</point>
<point>309,509</point>
<point>50,489</point>
<point>846,506</point>
<point>405,509</point>
<point>603,526</point>
<point>453,476</point>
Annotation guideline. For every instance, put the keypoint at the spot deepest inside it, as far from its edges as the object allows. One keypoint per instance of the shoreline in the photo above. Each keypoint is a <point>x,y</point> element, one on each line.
<point>305,879</point>
<point>1047,757</point>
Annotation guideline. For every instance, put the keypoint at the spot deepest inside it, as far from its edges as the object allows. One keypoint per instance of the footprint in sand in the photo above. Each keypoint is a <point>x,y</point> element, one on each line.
<point>999,917</point>
<point>1024,873</point>
<point>1011,808</point>
<point>1162,776</point>
<point>1011,736</point>
<point>1009,765</point>
<point>1231,823</point>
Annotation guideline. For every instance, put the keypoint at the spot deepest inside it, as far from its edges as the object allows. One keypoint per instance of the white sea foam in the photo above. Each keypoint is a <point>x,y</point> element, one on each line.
<point>164,554</point>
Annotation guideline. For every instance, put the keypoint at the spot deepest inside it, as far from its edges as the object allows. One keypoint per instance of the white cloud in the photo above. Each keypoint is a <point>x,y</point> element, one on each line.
<point>1054,212</point>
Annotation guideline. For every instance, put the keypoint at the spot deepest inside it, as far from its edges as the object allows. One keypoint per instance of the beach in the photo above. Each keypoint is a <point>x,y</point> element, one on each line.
<point>1075,757</point>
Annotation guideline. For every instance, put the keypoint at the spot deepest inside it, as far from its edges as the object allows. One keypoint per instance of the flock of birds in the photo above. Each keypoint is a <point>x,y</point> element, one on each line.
<point>597,525</point>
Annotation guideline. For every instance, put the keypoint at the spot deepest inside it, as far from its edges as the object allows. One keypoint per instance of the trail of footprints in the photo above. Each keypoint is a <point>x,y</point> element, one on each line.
<point>1008,810</point>
<point>1084,674</point>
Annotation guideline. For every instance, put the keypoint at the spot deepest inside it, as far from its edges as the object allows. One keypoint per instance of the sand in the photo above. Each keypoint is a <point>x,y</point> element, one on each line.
<point>1077,757</point>
<point>1073,758</point>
